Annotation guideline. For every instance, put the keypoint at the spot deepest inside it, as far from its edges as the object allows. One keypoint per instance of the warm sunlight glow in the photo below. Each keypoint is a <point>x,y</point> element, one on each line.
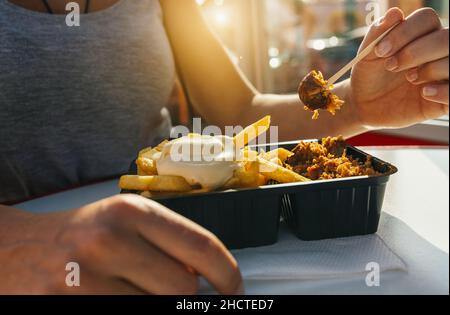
<point>275,63</point>
<point>221,18</point>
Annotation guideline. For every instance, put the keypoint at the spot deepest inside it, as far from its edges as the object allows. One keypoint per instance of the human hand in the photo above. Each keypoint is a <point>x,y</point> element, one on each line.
<point>405,80</point>
<point>123,245</point>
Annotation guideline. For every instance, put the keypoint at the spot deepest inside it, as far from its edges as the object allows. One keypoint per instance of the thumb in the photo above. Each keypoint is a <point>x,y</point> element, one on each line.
<point>392,17</point>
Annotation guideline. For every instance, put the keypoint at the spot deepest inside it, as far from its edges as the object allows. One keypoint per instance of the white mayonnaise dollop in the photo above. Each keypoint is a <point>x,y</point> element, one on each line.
<point>202,160</point>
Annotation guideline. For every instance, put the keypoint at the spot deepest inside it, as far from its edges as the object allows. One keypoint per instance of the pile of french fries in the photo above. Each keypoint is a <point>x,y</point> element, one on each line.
<point>256,168</point>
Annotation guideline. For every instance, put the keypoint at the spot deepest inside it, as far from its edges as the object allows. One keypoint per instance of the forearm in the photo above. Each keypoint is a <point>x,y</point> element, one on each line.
<point>221,94</point>
<point>295,123</point>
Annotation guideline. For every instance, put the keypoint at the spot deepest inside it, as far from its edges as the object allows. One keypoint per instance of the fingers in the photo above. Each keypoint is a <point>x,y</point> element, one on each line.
<point>418,24</point>
<point>192,245</point>
<point>431,47</point>
<point>420,47</point>
<point>178,237</point>
<point>150,269</point>
<point>437,93</point>
<point>391,18</point>
<point>429,72</point>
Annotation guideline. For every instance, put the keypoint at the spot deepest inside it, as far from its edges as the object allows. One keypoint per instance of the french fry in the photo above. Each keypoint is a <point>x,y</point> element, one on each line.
<point>146,161</point>
<point>153,153</point>
<point>146,166</point>
<point>262,180</point>
<point>154,183</point>
<point>249,155</point>
<point>249,176</point>
<point>160,146</point>
<point>277,161</point>
<point>278,173</point>
<point>150,153</point>
<point>280,153</point>
<point>247,179</point>
<point>145,152</point>
<point>252,132</point>
<point>140,172</point>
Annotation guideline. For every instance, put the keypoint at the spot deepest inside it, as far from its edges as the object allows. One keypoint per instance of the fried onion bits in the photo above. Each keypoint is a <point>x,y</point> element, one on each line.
<point>316,95</point>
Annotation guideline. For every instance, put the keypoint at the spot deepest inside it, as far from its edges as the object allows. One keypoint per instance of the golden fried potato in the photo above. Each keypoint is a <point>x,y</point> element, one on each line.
<point>249,154</point>
<point>252,132</point>
<point>160,146</point>
<point>277,161</point>
<point>281,153</point>
<point>278,173</point>
<point>153,153</point>
<point>146,166</point>
<point>154,183</point>
<point>249,176</point>
<point>140,172</point>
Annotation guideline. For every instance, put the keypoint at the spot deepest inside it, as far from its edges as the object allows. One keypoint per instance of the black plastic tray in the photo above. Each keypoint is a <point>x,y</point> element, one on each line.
<point>314,210</point>
<point>339,207</point>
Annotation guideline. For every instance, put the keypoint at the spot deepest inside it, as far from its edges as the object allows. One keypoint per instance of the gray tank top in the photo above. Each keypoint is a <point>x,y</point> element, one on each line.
<point>77,103</point>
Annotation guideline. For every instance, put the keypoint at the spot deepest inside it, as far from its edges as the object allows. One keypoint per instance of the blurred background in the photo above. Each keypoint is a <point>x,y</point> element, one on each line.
<point>277,42</point>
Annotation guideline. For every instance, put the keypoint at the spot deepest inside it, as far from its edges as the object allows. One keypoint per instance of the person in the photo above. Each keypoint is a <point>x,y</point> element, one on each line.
<point>78,102</point>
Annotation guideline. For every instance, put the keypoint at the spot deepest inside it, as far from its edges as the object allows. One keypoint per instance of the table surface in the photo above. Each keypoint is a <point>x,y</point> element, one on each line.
<point>414,224</point>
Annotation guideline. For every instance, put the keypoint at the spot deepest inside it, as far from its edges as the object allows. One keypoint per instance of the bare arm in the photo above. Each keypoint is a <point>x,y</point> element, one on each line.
<point>208,74</point>
<point>296,123</point>
<point>375,97</point>
<point>222,94</point>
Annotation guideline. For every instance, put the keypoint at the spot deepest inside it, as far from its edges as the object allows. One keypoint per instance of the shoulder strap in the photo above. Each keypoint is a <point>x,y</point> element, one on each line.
<point>47,6</point>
